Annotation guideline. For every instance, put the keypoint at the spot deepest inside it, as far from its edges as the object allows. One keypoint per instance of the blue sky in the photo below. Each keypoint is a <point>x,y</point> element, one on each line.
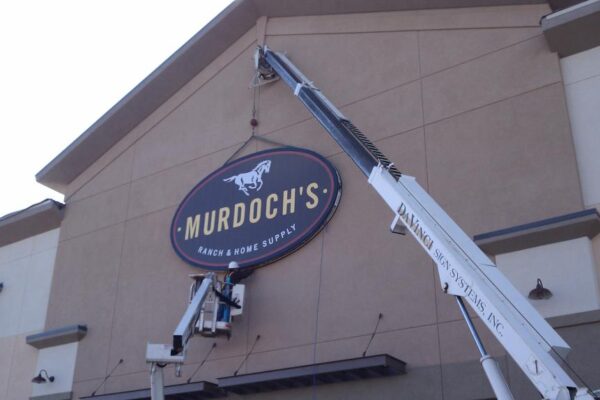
<point>65,63</point>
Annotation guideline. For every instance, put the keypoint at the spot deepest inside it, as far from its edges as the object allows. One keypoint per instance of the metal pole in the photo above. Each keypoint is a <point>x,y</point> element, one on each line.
<point>156,382</point>
<point>490,366</point>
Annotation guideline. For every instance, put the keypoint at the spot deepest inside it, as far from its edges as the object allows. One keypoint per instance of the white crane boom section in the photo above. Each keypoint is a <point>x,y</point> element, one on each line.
<point>467,272</point>
<point>463,268</point>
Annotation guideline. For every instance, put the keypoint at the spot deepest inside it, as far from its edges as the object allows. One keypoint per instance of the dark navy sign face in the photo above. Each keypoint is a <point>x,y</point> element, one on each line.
<point>256,209</point>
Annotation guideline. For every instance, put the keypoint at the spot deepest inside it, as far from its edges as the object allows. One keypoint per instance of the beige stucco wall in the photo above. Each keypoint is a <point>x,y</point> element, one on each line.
<point>26,269</point>
<point>582,87</point>
<point>581,73</point>
<point>470,101</point>
<point>59,361</point>
<point>566,268</point>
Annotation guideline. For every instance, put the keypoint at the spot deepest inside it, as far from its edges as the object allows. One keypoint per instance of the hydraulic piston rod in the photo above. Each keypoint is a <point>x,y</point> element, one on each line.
<point>490,366</point>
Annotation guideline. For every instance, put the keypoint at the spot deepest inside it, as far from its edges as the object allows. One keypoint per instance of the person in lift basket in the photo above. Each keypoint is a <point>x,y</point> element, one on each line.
<point>234,276</point>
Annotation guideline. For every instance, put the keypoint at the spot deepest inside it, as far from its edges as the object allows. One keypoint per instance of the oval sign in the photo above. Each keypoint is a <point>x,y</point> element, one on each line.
<point>256,209</point>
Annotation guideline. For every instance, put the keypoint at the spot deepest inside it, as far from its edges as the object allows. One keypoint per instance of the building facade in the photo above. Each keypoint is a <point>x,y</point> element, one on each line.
<point>28,247</point>
<point>493,112</point>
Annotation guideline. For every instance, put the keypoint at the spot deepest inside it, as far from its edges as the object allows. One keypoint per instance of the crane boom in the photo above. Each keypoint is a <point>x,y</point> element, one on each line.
<point>463,268</point>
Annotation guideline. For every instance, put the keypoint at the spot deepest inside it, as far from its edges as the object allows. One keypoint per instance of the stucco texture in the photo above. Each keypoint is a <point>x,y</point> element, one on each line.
<point>469,101</point>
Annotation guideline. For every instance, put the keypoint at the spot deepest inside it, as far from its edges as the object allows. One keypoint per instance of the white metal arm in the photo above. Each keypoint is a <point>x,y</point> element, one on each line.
<point>467,272</point>
<point>160,355</point>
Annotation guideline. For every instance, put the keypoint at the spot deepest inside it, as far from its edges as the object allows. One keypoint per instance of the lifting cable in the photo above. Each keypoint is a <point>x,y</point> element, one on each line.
<point>254,123</point>
<point>202,363</point>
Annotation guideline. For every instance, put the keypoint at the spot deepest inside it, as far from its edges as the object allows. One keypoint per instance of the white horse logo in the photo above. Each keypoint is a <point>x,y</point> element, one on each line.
<point>252,179</point>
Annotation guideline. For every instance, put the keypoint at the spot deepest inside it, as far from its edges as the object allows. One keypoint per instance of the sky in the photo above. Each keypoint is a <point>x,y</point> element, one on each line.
<point>65,63</point>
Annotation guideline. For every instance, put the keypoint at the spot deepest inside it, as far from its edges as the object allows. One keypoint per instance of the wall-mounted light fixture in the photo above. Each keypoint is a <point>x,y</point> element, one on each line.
<point>540,292</point>
<point>40,379</point>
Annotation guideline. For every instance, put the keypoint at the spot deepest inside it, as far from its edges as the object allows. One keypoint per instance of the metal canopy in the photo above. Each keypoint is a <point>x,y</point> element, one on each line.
<point>538,233</point>
<point>308,375</point>
<point>57,336</point>
<point>190,391</point>
<point>573,29</point>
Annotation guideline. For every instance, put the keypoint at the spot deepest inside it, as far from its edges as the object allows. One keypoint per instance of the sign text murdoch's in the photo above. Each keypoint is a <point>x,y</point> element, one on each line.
<point>256,209</point>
